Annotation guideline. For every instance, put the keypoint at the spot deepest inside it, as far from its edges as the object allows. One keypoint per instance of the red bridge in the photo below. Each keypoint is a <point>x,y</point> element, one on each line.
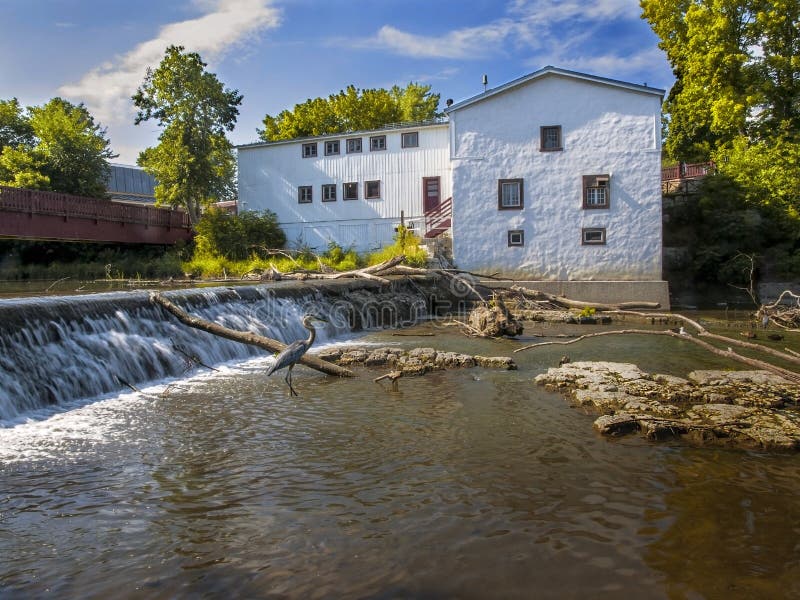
<point>37,215</point>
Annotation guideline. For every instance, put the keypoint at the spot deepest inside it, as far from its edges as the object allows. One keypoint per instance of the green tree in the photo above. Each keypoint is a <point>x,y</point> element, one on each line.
<point>15,128</point>
<point>193,163</point>
<point>352,110</point>
<point>56,146</point>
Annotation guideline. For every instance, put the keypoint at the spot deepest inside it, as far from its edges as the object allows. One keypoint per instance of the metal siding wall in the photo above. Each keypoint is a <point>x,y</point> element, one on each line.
<point>269,177</point>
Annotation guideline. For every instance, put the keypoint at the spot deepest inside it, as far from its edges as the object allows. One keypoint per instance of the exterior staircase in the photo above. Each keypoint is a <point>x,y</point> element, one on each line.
<point>439,219</point>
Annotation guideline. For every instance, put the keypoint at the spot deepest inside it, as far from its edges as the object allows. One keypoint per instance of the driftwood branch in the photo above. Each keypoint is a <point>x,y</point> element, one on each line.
<point>703,332</point>
<point>538,296</point>
<point>246,337</point>
<point>729,353</point>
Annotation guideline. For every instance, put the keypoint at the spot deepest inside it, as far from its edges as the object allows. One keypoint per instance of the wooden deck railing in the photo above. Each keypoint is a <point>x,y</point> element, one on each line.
<point>440,216</point>
<point>37,202</point>
<point>688,171</point>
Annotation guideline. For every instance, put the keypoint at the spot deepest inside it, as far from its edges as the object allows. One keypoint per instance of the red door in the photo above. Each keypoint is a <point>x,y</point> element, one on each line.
<point>431,193</point>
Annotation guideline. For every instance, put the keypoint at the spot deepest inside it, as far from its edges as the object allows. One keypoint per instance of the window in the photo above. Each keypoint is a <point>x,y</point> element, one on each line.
<point>516,237</point>
<point>377,142</point>
<point>596,191</point>
<point>304,194</point>
<point>350,191</point>
<point>372,190</point>
<point>550,138</point>
<point>329,192</point>
<point>353,145</point>
<point>410,139</point>
<point>509,194</point>
<point>310,150</point>
<point>331,147</point>
<point>593,235</point>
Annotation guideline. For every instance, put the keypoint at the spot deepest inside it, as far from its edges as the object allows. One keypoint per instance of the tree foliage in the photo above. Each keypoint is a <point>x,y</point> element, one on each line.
<point>736,99</point>
<point>236,237</point>
<point>352,110</point>
<point>56,146</point>
<point>193,163</point>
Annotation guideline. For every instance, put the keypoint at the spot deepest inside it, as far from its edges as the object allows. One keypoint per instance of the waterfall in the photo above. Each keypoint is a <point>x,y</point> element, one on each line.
<point>57,350</point>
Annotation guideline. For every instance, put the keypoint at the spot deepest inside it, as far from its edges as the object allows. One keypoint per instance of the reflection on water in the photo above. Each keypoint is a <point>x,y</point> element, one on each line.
<point>468,484</point>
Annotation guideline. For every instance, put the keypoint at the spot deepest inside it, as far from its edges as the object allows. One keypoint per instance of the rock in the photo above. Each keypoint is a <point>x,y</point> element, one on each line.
<point>496,362</point>
<point>618,424</point>
<point>492,319</point>
<point>752,409</point>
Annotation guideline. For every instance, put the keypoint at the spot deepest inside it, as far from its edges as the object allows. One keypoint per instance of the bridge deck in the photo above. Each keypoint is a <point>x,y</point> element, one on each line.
<point>39,215</point>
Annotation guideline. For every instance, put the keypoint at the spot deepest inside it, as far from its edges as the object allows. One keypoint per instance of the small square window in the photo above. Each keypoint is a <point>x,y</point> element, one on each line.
<point>516,237</point>
<point>377,142</point>
<point>410,140</point>
<point>329,192</point>
<point>510,194</point>
<point>596,191</point>
<point>304,194</point>
<point>353,145</point>
<point>331,147</point>
<point>350,191</point>
<point>550,138</point>
<point>593,235</point>
<point>372,190</point>
<point>310,150</point>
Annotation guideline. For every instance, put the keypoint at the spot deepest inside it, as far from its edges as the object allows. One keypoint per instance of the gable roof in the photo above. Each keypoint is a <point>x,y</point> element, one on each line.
<point>550,70</point>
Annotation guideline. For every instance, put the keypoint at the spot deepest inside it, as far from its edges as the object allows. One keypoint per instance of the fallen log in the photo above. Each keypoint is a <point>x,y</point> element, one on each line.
<point>243,337</point>
<point>568,303</point>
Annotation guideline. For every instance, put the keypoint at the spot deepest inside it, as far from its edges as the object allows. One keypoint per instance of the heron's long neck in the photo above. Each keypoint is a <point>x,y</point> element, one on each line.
<point>312,335</point>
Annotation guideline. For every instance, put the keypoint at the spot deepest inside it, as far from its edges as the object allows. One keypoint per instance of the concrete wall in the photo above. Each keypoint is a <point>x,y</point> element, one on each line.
<point>269,175</point>
<point>606,129</point>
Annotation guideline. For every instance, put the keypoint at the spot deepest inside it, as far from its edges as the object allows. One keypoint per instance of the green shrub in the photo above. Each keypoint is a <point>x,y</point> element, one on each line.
<point>236,237</point>
<point>405,242</point>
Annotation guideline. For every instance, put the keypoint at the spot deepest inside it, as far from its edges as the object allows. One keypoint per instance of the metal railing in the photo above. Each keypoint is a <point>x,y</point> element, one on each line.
<point>37,202</point>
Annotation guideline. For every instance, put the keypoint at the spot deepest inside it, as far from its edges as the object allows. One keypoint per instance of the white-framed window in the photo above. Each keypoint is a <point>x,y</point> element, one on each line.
<point>310,150</point>
<point>331,147</point>
<point>372,190</point>
<point>516,237</point>
<point>410,139</point>
<point>510,194</point>
<point>329,192</point>
<point>353,145</point>
<point>596,191</point>
<point>350,190</point>
<point>305,194</point>
<point>550,138</point>
<point>377,142</point>
<point>593,236</point>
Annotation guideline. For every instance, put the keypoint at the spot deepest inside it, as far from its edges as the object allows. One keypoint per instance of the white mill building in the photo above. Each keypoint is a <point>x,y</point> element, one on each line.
<point>553,177</point>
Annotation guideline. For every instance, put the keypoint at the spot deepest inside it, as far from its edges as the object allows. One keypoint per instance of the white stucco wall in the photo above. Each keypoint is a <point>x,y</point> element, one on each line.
<point>606,129</point>
<point>269,175</point>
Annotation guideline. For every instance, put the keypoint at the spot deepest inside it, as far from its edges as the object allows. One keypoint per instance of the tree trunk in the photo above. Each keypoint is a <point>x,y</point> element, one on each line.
<point>247,338</point>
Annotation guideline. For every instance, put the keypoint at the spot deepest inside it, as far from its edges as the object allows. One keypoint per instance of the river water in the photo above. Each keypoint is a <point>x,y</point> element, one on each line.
<point>463,484</point>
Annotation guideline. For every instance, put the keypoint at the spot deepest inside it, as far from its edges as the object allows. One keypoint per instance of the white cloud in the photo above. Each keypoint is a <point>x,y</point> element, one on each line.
<point>106,90</point>
<point>469,42</point>
<point>531,24</point>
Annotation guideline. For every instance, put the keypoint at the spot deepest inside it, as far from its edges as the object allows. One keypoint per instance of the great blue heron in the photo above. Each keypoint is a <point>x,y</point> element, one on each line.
<point>289,356</point>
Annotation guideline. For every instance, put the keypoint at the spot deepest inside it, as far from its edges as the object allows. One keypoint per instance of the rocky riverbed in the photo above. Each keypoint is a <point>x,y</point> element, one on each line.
<point>411,362</point>
<point>753,409</point>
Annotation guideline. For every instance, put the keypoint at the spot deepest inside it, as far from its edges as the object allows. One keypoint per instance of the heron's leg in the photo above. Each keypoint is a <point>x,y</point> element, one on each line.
<point>288,380</point>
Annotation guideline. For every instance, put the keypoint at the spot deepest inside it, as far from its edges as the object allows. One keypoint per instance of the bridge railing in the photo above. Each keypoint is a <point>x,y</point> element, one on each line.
<point>687,171</point>
<point>37,202</point>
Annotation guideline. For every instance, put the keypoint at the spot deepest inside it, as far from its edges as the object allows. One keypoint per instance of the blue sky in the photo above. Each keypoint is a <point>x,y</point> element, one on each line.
<point>281,52</point>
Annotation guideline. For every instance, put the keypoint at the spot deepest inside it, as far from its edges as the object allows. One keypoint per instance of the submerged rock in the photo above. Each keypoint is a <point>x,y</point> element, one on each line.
<point>746,408</point>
